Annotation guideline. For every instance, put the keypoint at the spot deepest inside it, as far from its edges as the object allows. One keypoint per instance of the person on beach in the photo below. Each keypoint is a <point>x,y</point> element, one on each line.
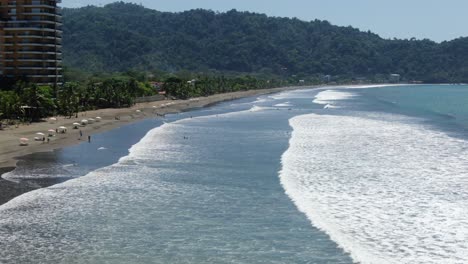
<point>89,139</point>
<point>81,133</point>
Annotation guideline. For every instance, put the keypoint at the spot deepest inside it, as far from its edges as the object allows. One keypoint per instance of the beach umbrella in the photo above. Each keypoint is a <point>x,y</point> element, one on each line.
<point>51,130</point>
<point>62,129</point>
<point>154,106</point>
<point>84,122</point>
<point>138,111</point>
<point>24,141</point>
<point>98,119</point>
<point>40,134</point>
<point>53,119</point>
<point>91,120</point>
<point>76,124</point>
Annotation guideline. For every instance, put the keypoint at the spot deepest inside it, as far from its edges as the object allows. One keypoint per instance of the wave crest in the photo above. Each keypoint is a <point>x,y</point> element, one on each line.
<point>385,191</point>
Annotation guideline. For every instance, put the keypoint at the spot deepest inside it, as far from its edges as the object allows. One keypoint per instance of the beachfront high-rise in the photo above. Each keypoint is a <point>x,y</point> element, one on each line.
<point>30,40</point>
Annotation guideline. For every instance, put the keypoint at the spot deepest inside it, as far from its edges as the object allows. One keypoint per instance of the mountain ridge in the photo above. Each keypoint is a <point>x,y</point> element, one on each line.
<point>122,36</point>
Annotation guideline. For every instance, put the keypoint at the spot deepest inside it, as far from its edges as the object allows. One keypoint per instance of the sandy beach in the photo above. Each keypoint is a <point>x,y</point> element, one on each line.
<point>11,151</point>
<point>9,137</point>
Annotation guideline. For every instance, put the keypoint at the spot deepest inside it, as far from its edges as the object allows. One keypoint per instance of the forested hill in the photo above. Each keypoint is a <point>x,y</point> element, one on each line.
<point>119,37</point>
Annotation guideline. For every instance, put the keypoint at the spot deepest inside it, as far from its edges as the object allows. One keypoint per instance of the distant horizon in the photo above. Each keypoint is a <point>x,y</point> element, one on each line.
<point>419,19</point>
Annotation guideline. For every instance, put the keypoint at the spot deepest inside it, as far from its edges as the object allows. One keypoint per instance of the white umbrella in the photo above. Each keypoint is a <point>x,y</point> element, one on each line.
<point>40,134</point>
<point>98,119</point>
<point>91,120</point>
<point>51,130</point>
<point>53,119</point>
<point>138,111</point>
<point>84,122</point>
<point>62,127</point>
<point>76,124</point>
<point>24,141</point>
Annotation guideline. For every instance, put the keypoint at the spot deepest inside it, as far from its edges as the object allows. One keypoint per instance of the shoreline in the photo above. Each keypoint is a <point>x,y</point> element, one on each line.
<point>11,151</point>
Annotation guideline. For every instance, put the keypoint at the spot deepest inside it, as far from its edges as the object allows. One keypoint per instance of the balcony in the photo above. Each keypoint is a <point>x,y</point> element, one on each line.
<point>34,52</point>
<point>32,44</point>
<point>57,38</point>
<point>35,21</point>
<point>45,76</point>
<point>39,5</point>
<point>46,68</point>
<point>32,24</point>
<point>45,14</point>
<point>31,59</point>
<point>32,29</point>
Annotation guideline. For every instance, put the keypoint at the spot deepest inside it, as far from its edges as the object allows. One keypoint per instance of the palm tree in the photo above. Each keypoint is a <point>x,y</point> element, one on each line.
<point>68,99</point>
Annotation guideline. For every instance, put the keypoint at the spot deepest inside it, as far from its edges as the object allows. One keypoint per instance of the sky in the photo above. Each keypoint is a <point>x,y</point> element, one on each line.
<point>438,20</point>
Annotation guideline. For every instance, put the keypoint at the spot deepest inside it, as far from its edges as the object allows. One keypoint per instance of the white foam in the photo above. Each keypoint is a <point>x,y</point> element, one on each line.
<point>299,93</point>
<point>367,86</point>
<point>261,99</point>
<point>286,104</point>
<point>330,97</point>
<point>330,106</point>
<point>257,108</point>
<point>385,191</point>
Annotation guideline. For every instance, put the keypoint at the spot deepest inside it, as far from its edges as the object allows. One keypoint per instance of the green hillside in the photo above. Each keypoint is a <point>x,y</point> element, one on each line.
<point>119,37</point>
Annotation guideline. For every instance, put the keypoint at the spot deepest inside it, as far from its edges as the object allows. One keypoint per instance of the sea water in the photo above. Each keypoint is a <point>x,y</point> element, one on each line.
<point>333,175</point>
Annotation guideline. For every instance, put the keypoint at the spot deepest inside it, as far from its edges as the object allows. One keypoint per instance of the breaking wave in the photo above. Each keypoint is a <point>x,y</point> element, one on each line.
<point>386,191</point>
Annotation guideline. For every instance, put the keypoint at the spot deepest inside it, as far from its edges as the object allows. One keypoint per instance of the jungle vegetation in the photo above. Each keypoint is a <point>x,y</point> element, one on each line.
<point>121,37</point>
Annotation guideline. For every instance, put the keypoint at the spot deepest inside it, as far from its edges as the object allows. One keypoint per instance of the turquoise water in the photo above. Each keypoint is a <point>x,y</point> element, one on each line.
<point>376,175</point>
<point>446,104</point>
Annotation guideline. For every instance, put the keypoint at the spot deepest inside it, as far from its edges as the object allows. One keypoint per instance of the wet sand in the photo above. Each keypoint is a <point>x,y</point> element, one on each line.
<point>11,152</point>
<point>9,190</point>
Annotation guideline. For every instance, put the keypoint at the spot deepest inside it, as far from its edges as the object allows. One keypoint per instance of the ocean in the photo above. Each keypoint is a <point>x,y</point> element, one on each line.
<point>332,175</point>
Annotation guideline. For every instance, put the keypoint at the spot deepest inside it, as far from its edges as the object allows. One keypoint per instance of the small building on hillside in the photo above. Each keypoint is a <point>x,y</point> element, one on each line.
<point>361,80</point>
<point>326,78</point>
<point>157,86</point>
<point>394,78</point>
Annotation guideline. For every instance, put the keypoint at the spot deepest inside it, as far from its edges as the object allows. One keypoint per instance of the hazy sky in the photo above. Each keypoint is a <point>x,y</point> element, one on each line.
<point>434,19</point>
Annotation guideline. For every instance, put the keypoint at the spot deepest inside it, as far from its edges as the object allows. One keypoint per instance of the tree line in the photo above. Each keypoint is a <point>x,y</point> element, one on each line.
<point>24,101</point>
<point>122,36</point>
<point>31,102</point>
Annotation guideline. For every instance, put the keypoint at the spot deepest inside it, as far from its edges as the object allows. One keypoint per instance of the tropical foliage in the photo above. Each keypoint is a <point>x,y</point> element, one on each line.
<point>29,102</point>
<point>119,37</point>
<point>205,85</point>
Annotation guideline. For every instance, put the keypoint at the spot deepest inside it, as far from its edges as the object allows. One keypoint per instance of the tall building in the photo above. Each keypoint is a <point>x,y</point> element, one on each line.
<point>30,40</point>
